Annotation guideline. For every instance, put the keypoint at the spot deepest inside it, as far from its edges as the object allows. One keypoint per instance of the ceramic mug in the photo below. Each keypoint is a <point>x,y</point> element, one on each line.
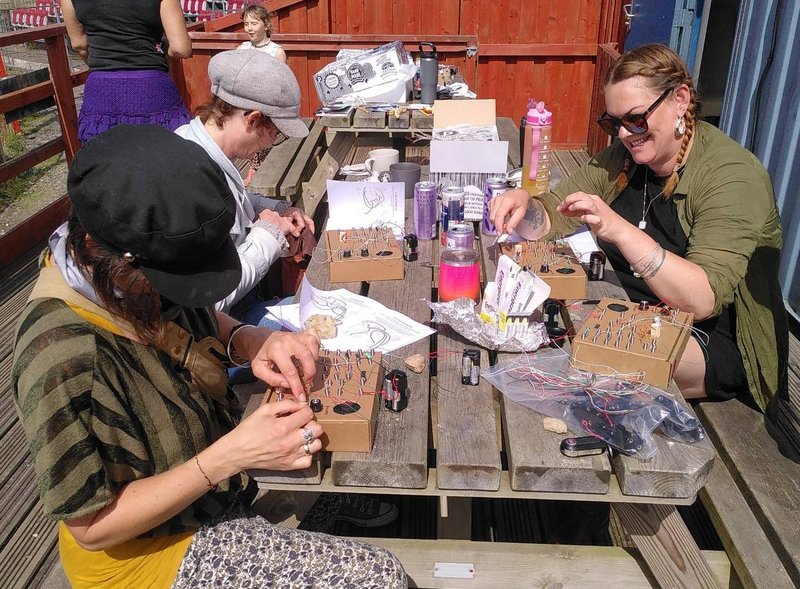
<point>379,160</point>
<point>408,173</point>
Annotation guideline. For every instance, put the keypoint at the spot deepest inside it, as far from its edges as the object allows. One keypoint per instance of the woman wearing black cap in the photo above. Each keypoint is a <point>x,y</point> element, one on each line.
<point>118,376</point>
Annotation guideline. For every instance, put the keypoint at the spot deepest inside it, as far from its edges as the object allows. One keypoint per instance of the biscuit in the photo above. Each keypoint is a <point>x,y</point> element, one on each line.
<point>325,325</point>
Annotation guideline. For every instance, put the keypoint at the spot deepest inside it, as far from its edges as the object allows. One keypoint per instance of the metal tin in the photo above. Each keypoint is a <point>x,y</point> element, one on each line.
<point>425,210</point>
<point>597,263</point>
<point>491,188</point>
<point>460,236</point>
<point>459,275</point>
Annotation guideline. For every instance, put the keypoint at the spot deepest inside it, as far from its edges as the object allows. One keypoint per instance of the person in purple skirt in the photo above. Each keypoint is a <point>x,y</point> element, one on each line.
<point>126,45</point>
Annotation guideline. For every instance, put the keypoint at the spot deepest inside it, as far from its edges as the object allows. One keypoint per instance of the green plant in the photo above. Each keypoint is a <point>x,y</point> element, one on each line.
<point>15,188</point>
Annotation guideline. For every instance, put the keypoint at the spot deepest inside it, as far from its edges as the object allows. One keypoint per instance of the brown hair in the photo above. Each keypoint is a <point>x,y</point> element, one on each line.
<point>662,69</point>
<point>216,109</point>
<point>122,288</point>
<point>258,11</point>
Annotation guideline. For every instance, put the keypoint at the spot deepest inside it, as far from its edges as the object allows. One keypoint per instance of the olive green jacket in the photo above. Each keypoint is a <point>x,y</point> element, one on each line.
<point>727,209</point>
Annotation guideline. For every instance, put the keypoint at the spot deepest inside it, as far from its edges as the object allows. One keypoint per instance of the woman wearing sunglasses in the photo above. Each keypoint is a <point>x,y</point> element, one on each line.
<point>687,218</point>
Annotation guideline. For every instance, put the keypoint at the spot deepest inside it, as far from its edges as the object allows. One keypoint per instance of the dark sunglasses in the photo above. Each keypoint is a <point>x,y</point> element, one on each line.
<point>636,123</point>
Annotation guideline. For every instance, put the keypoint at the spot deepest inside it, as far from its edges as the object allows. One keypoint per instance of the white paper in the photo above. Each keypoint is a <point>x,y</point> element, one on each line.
<point>356,205</point>
<point>287,315</point>
<point>473,203</point>
<point>583,244</point>
<point>469,156</point>
<point>365,323</point>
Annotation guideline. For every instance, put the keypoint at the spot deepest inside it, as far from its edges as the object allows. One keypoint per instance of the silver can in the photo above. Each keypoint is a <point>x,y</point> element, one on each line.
<point>460,236</point>
<point>491,188</point>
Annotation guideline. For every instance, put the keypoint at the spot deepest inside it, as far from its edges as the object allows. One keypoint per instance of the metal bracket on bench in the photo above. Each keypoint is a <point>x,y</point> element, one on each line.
<point>453,570</point>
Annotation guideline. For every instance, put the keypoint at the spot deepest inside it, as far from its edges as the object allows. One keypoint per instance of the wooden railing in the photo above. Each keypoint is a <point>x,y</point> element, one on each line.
<point>60,86</point>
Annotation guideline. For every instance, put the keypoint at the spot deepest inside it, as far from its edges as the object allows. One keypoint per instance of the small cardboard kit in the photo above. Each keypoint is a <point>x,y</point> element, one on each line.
<point>382,74</point>
<point>348,386</point>
<point>364,254</point>
<point>465,149</point>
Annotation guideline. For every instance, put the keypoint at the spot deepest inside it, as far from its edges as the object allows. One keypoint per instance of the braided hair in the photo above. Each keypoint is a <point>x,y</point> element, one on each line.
<point>662,69</point>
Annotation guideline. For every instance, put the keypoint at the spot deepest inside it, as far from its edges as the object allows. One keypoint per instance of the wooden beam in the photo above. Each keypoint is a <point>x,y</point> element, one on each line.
<point>537,50</point>
<point>275,5</point>
<point>216,40</point>
<point>65,98</point>
<point>30,232</point>
<point>499,565</point>
<point>36,92</point>
<point>31,35</point>
<point>746,544</point>
<point>25,162</point>
<point>670,551</point>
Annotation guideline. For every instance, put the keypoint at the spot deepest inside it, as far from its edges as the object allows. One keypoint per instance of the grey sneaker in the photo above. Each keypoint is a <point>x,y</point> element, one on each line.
<point>366,511</point>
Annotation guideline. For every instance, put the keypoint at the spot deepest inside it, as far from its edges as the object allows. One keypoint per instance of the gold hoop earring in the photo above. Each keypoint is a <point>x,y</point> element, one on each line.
<point>680,126</point>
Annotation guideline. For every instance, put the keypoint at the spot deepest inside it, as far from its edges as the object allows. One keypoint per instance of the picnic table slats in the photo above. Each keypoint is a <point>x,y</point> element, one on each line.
<point>467,454</point>
<point>399,456</point>
<point>315,189</point>
<point>279,164</point>
<point>535,461</point>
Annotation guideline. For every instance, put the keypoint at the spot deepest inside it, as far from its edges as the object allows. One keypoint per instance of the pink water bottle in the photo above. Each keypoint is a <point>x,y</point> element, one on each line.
<point>536,150</point>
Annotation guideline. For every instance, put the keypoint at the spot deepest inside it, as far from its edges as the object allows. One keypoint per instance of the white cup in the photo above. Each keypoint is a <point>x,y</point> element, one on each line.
<point>379,160</point>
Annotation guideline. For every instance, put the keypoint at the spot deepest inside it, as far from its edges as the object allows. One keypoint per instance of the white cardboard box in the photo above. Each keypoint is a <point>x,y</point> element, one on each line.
<point>466,162</point>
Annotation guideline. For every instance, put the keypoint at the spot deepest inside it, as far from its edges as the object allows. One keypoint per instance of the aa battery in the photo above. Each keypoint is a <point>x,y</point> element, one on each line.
<point>471,367</point>
<point>597,266</point>
<point>395,386</point>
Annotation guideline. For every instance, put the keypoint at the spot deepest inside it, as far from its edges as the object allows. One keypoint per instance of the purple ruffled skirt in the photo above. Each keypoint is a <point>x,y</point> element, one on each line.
<point>130,97</point>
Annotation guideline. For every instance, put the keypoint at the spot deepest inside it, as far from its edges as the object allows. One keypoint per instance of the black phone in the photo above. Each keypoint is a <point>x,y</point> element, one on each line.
<point>582,446</point>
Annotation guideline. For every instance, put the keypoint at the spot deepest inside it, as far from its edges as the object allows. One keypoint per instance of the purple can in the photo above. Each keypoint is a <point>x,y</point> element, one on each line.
<point>491,188</point>
<point>425,210</point>
<point>460,236</point>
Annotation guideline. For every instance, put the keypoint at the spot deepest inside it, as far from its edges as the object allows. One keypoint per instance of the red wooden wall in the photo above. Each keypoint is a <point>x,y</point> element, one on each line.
<point>545,49</point>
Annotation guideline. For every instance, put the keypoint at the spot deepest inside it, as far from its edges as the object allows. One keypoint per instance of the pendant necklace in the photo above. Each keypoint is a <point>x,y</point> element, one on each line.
<point>645,203</point>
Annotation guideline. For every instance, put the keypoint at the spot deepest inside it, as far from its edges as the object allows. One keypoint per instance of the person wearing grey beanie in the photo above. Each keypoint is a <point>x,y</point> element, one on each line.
<point>255,99</point>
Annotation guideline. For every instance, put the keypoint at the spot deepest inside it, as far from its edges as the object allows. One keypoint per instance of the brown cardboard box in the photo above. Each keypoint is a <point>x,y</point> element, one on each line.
<point>349,408</point>
<point>383,259</point>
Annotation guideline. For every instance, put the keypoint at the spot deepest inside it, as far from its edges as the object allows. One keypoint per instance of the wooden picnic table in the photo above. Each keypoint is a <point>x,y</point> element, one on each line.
<point>473,428</point>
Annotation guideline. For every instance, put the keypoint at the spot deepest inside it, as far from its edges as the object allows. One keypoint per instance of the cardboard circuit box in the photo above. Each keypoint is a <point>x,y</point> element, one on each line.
<point>466,162</point>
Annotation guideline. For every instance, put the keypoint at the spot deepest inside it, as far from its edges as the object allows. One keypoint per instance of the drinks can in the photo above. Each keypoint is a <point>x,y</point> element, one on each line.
<point>597,263</point>
<point>460,236</point>
<point>452,208</point>
<point>425,210</point>
<point>491,188</point>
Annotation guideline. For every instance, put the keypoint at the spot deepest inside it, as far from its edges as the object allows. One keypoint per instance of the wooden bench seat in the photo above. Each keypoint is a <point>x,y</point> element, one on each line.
<point>752,495</point>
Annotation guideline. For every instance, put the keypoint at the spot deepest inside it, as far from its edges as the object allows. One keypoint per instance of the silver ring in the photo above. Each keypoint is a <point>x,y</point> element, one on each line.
<point>308,435</point>
<point>306,448</point>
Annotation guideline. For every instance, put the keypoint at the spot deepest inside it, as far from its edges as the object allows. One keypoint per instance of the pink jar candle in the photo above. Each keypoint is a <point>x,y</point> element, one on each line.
<point>459,275</point>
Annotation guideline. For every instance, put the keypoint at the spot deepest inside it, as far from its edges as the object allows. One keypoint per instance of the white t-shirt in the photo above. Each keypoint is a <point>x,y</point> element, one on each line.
<point>270,48</point>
